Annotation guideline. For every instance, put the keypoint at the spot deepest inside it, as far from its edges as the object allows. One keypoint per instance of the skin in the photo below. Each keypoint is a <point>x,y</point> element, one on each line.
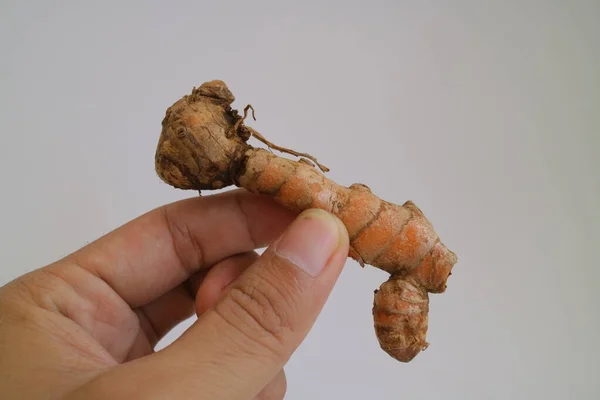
<point>85,327</point>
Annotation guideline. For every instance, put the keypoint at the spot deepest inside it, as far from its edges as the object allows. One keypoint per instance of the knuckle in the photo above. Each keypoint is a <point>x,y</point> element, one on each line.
<point>39,288</point>
<point>260,310</point>
<point>186,246</point>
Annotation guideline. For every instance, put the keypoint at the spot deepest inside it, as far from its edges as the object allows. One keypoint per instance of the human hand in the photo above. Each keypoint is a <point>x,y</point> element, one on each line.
<point>85,326</point>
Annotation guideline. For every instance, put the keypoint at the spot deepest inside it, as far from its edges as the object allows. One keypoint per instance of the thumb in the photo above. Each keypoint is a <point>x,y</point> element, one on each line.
<point>237,347</point>
<point>264,316</point>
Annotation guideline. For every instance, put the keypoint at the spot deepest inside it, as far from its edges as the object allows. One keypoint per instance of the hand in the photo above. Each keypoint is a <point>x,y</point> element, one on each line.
<point>85,327</point>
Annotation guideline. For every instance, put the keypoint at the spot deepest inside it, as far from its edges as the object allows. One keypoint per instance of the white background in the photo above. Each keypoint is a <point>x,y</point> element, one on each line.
<point>483,113</point>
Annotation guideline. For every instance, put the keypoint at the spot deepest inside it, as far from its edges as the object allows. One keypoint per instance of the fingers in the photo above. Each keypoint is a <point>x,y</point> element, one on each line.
<point>147,257</point>
<point>265,314</point>
<point>203,288</point>
<point>219,277</point>
<point>240,345</point>
<point>158,317</point>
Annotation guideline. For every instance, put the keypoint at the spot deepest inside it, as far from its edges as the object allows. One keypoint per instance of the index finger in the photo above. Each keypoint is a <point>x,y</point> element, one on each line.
<point>154,253</point>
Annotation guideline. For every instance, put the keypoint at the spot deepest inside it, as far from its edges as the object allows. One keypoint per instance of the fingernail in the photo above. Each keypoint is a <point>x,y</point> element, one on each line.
<point>311,240</point>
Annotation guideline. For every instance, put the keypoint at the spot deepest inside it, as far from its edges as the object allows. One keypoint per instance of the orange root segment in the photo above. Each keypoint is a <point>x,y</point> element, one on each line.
<point>203,146</point>
<point>400,312</point>
<point>396,239</point>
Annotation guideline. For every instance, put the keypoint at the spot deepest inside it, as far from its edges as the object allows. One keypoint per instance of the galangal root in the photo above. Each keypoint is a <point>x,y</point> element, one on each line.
<point>203,145</point>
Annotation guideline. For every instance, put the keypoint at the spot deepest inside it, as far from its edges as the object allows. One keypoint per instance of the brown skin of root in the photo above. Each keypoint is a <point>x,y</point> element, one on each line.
<point>203,145</point>
<point>197,149</point>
